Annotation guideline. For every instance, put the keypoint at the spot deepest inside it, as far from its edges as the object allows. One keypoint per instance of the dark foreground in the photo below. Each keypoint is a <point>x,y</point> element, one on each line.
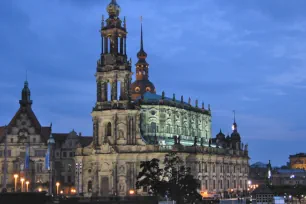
<point>42,198</point>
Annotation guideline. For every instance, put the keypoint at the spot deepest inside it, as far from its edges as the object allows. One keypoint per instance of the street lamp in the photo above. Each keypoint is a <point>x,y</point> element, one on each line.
<point>39,190</point>
<point>131,192</point>
<point>15,177</point>
<point>57,185</point>
<point>27,183</point>
<point>22,180</point>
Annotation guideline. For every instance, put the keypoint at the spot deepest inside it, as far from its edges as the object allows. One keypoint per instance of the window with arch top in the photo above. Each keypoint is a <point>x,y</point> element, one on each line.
<point>89,186</point>
<point>109,129</point>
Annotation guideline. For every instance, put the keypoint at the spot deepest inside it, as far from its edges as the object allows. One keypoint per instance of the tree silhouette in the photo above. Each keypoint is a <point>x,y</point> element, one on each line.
<point>174,181</point>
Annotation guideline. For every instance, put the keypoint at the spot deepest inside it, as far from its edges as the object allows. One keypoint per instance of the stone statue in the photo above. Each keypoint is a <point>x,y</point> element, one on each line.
<point>182,99</point>
<point>175,139</point>
<point>246,147</point>
<point>195,141</point>
<point>209,143</point>
<point>202,141</point>
<point>189,101</point>
<point>179,140</point>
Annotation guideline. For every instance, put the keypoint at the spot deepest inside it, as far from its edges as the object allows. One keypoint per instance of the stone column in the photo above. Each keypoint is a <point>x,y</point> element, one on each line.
<point>99,91</point>
<point>106,45</point>
<point>121,45</point>
<point>114,90</point>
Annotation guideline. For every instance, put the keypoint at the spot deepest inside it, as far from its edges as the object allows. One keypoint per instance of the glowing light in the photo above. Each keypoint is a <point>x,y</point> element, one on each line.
<point>39,190</point>
<point>203,194</point>
<point>249,182</point>
<point>131,192</point>
<point>61,192</point>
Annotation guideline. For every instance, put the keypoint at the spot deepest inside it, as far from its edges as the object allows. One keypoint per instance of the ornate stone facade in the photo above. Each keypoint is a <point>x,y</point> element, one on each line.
<point>130,127</point>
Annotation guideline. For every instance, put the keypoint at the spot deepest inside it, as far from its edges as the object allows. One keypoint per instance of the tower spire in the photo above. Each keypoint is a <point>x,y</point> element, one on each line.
<point>234,126</point>
<point>141,37</point>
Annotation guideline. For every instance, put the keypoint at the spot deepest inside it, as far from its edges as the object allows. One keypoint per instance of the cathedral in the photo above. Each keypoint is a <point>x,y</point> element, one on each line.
<point>131,123</point>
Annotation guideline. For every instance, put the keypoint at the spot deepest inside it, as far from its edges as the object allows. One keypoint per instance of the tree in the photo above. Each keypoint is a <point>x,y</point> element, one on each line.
<point>174,180</point>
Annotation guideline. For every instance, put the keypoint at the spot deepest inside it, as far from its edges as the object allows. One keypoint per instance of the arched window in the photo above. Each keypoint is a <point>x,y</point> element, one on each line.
<point>109,129</point>
<point>89,186</point>
<point>153,127</point>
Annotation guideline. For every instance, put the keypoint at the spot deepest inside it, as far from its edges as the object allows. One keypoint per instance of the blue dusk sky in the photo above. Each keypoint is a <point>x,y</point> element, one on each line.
<point>243,55</point>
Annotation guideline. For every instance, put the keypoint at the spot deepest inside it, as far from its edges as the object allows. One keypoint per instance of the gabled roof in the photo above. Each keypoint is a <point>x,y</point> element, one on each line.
<point>2,129</point>
<point>61,137</point>
<point>85,140</point>
<point>28,110</point>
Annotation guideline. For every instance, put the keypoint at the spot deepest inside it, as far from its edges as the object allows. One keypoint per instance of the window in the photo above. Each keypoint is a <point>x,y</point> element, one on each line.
<point>64,154</point>
<point>57,154</point>
<point>39,167</point>
<point>145,189</point>
<point>109,129</point>
<point>40,153</point>
<point>1,153</point>
<point>69,179</point>
<point>221,186</point>
<point>214,169</point>
<point>234,183</point>
<point>214,184</point>
<point>205,167</point>
<point>89,186</point>
<point>70,154</point>
<point>34,140</point>
<point>228,184</point>
<point>69,168</point>
<point>12,140</point>
<point>9,153</point>
<point>206,184</point>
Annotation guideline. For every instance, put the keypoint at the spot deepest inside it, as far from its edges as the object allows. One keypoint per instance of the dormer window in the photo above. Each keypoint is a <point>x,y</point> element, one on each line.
<point>137,89</point>
<point>148,89</point>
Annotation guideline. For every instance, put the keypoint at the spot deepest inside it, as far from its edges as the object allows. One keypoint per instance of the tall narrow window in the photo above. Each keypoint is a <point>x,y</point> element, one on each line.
<point>109,129</point>
<point>109,92</point>
<point>119,90</point>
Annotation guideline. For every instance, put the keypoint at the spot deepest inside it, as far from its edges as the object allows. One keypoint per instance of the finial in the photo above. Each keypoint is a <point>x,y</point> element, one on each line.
<point>163,95</point>
<point>26,75</point>
<point>209,107</point>
<point>220,130</point>
<point>182,99</point>
<point>173,97</point>
<point>102,23</point>
<point>196,103</point>
<point>189,100</point>
<point>203,105</point>
<point>124,22</point>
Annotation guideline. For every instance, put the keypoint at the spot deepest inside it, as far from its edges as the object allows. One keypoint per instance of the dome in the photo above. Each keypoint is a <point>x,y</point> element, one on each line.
<point>235,136</point>
<point>113,8</point>
<point>220,135</point>
<point>142,54</point>
<point>139,87</point>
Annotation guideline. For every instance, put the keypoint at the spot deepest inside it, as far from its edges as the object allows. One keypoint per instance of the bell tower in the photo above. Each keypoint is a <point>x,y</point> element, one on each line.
<point>113,74</point>
<point>115,117</point>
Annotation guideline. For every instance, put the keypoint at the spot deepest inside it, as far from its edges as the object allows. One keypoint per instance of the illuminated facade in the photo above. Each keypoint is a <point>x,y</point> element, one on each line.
<point>26,144</point>
<point>298,161</point>
<point>131,123</point>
